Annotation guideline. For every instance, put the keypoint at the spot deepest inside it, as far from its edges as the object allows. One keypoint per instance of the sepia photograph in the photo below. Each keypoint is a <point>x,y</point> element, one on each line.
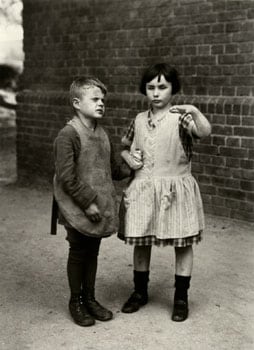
<point>127,174</point>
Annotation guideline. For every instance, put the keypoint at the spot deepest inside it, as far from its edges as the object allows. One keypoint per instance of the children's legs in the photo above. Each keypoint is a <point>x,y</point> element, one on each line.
<point>183,270</point>
<point>82,268</point>
<point>141,257</point>
<point>91,251</point>
<point>82,262</point>
<point>75,271</point>
<point>184,260</point>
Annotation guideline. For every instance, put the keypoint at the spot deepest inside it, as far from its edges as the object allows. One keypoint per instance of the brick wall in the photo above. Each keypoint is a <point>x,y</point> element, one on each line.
<point>209,41</point>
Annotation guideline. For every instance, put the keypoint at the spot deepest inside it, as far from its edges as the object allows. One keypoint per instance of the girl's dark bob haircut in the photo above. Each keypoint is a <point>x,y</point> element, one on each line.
<point>169,72</point>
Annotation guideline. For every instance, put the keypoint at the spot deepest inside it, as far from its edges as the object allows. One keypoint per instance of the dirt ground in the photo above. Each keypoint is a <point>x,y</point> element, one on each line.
<point>34,290</point>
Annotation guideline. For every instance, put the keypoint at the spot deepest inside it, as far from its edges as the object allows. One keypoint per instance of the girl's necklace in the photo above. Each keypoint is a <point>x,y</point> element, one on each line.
<point>157,118</point>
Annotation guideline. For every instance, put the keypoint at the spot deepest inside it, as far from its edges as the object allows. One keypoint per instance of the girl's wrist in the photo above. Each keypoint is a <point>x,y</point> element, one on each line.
<point>194,110</point>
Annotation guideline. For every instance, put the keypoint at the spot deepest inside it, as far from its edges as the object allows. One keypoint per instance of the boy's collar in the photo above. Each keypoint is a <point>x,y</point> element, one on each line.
<point>93,128</point>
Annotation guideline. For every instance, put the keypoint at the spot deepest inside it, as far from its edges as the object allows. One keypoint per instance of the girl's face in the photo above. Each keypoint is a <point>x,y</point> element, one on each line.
<point>159,92</point>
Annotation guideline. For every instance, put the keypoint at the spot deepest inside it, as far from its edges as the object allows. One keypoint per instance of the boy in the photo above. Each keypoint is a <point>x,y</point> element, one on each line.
<point>85,195</point>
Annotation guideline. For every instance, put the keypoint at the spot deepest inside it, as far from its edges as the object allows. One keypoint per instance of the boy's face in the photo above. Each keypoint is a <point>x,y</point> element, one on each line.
<point>159,92</point>
<point>91,102</point>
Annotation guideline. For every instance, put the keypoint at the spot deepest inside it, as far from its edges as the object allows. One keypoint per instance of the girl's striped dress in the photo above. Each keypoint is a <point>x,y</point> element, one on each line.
<point>163,205</point>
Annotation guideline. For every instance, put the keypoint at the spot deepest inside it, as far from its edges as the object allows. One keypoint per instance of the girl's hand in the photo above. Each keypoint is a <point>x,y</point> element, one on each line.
<point>201,127</point>
<point>183,109</point>
<point>132,162</point>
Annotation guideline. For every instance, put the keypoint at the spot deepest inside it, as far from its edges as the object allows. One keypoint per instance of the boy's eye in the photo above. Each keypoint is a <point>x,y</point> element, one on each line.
<point>96,99</point>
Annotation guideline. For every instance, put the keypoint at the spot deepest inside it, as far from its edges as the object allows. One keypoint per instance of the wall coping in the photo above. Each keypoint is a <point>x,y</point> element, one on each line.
<point>41,96</point>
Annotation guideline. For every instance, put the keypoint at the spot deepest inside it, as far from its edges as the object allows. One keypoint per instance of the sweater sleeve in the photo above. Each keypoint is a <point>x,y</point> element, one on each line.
<point>66,150</point>
<point>119,169</point>
<point>128,137</point>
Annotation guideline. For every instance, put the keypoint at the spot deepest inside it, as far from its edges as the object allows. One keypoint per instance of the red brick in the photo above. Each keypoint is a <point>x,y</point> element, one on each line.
<point>247,121</point>
<point>233,204</point>
<point>242,215</point>
<point>248,174</point>
<point>233,141</point>
<point>233,162</point>
<point>233,27</point>
<point>222,130</point>
<point>228,91</point>
<point>233,152</point>
<point>218,140</point>
<point>205,159</point>
<point>207,189</point>
<point>218,171</point>
<point>217,49</point>
<point>231,48</point>
<point>247,164</point>
<point>207,149</point>
<point>233,120</point>
<point>245,47</point>
<point>242,91</point>
<point>204,179</point>
<point>247,142</point>
<point>220,211</point>
<point>250,196</point>
<point>244,131</point>
<point>197,168</point>
<point>218,181</point>
<point>231,193</point>
<point>219,161</point>
<point>218,201</point>
<point>232,183</point>
<point>247,185</point>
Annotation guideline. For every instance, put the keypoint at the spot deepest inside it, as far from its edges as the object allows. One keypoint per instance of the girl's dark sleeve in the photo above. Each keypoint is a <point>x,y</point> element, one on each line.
<point>66,150</point>
<point>119,169</point>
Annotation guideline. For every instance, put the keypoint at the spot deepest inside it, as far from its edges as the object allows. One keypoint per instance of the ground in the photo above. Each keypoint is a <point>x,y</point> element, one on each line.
<point>34,289</point>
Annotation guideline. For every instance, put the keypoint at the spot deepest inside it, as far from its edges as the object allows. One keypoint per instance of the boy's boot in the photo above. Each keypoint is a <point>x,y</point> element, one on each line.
<point>139,297</point>
<point>180,311</point>
<point>98,311</point>
<point>95,309</point>
<point>79,312</point>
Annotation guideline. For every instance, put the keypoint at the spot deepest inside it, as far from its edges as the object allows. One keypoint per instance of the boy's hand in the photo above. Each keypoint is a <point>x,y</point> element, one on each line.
<point>93,213</point>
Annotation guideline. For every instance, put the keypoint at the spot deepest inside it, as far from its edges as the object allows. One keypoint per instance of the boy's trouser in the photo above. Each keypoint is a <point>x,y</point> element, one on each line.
<point>82,262</point>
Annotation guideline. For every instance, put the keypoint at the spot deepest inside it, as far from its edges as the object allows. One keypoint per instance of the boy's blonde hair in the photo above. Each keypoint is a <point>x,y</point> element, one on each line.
<point>80,83</point>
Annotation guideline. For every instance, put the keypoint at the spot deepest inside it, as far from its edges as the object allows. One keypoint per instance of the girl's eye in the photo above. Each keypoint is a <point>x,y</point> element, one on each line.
<point>150,87</point>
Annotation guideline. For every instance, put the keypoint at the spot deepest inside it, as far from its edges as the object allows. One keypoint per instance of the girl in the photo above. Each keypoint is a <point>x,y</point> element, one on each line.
<point>162,204</point>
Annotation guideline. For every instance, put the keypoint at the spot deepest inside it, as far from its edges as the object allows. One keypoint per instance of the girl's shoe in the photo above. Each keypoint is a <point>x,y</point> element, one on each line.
<point>135,301</point>
<point>180,311</point>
